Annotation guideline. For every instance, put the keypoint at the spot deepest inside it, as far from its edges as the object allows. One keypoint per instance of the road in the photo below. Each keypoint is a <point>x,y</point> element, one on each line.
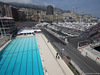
<point>84,63</point>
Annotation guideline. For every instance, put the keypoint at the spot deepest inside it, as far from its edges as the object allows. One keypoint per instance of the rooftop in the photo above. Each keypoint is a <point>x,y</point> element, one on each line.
<point>28,30</point>
<point>6,18</point>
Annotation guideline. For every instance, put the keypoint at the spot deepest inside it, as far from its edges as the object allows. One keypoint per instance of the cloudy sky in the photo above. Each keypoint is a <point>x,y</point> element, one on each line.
<point>80,6</point>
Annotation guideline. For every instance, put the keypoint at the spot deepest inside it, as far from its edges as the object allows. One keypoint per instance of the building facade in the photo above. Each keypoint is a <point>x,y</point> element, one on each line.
<point>9,11</point>
<point>49,10</point>
<point>7,26</point>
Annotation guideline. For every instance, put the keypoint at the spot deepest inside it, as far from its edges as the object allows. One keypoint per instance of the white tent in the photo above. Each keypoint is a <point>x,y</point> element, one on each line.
<point>28,31</point>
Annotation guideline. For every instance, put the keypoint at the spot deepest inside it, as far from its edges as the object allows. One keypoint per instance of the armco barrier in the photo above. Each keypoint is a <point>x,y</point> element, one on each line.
<point>68,60</point>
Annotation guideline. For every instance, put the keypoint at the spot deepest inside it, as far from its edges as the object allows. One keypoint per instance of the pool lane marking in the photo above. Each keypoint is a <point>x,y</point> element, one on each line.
<point>32,53</point>
<point>7,54</point>
<point>22,51</point>
<point>27,55</point>
<point>17,56</point>
<point>22,57</point>
<point>30,46</point>
<point>37,56</point>
<point>11,58</point>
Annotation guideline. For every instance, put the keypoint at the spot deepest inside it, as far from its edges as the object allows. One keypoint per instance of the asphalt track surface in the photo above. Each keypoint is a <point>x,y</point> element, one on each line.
<point>84,63</point>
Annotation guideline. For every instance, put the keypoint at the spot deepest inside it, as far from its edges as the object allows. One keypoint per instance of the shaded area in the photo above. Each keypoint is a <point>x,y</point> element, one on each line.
<point>97,48</point>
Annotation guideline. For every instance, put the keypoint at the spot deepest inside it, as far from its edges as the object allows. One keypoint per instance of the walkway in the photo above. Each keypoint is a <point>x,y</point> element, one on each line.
<point>3,40</point>
<point>51,65</point>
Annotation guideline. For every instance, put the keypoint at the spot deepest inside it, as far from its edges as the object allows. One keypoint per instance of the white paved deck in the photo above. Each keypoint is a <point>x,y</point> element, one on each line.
<point>4,45</point>
<point>51,65</point>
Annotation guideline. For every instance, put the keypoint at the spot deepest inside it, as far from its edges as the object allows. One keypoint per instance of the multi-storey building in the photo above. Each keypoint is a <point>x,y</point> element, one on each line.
<point>7,26</point>
<point>22,15</point>
<point>9,11</point>
<point>49,10</point>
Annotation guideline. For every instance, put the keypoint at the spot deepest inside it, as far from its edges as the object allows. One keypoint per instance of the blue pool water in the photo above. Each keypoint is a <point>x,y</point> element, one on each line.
<point>21,57</point>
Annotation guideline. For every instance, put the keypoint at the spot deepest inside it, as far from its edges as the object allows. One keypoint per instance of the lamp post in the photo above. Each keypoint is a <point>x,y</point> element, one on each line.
<point>62,51</point>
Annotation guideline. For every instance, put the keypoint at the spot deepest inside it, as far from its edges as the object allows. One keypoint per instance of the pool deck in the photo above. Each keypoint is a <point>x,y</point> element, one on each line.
<point>5,45</point>
<point>51,65</point>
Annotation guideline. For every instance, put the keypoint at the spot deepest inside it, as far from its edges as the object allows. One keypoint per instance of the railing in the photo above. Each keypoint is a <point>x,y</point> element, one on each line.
<point>75,69</point>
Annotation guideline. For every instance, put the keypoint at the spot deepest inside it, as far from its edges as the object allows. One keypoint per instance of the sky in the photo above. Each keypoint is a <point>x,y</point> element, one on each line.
<point>80,6</point>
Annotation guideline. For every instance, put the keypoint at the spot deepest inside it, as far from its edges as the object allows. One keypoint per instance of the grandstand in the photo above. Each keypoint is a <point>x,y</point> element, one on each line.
<point>71,31</point>
<point>93,33</point>
<point>90,36</point>
<point>92,50</point>
<point>21,25</point>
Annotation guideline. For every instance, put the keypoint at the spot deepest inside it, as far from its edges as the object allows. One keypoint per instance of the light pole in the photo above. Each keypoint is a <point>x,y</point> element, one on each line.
<point>62,51</point>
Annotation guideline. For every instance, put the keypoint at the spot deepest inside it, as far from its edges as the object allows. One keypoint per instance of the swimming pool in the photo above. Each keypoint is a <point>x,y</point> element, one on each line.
<point>21,57</point>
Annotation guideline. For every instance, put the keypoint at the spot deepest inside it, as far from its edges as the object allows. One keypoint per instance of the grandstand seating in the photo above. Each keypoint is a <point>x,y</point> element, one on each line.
<point>93,33</point>
<point>70,30</point>
<point>21,25</point>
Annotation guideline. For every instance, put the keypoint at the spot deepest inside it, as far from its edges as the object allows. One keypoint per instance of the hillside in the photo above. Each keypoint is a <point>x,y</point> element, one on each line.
<point>22,5</point>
